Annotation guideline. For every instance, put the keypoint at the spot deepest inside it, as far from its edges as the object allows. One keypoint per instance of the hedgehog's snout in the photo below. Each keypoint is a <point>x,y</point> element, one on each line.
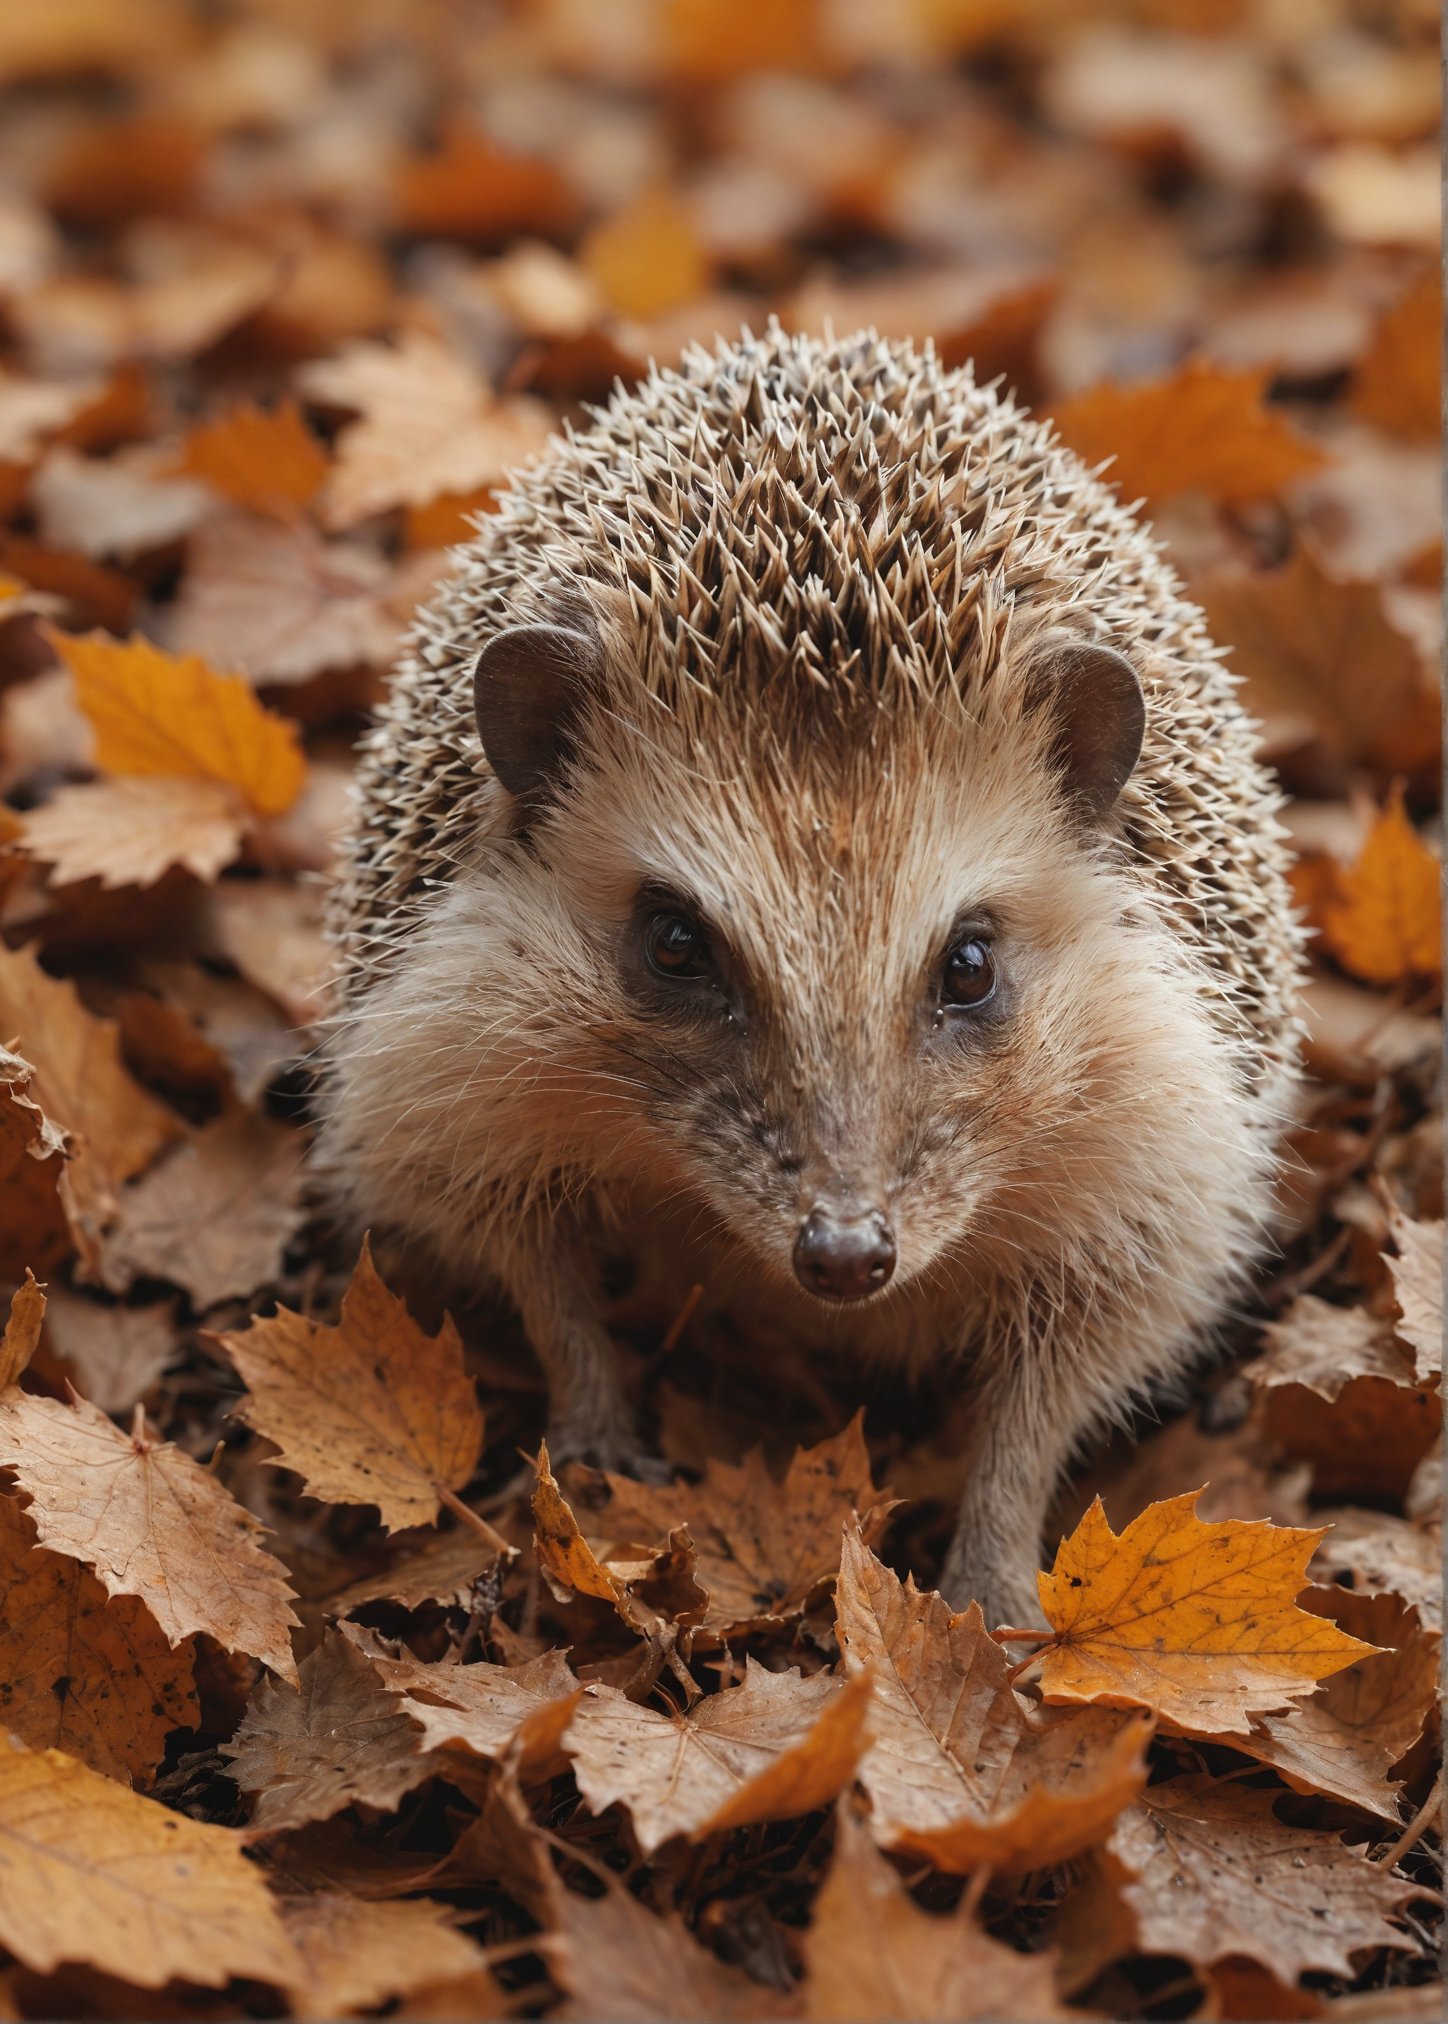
<point>840,1257</point>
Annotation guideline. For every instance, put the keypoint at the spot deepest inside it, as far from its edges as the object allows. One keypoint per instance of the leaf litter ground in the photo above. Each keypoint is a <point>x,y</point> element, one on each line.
<point>316,1700</point>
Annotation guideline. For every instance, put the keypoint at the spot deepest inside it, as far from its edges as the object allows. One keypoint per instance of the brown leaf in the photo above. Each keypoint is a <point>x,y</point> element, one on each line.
<point>1398,382</point>
<point>81,1673</point>
<point>873,1957</point>
<point>1211,1872</point>
<point>429,424</point>
<point>110,507</point>
<point>959,1770</point>
<point>623,1964</point>
<point>128,832</point>
<point>1418,1288</point>
<point>272,932</point>
<point>33,1228</point>
<point>215,1216</point>
<point>114,1353</point>
<point>22,1330</point>
<point>372,1411</point>
<point>1198,1621</point>
<point>151,1523</point>
<point>1378,1554</point>
<point>1365,1443</point>
<point>1301,638</point>
<point>81,1085</point>
<point>441,1569</point>
<point>767,1547</point>
<point>1324,1348</point>
<point>257,457</point>
<point>92,1872</point>
<point>306,1751</point>
<point>1201,430</point>
<point>776,1746</point>
<point>483,1708</point>
<point>357,1955</point>
<point>644,1587</point>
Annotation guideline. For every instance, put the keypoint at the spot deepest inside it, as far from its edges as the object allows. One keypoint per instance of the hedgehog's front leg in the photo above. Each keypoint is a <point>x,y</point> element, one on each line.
<point>547,1277</point>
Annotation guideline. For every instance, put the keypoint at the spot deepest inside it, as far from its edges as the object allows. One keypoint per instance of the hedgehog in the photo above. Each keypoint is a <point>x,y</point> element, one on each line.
<point>812,849</point>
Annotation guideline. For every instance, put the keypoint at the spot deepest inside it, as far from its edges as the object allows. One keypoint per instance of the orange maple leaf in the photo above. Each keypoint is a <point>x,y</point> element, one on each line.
<point>1384,921</point>
<point>258,458</point>
<point>160,713</point>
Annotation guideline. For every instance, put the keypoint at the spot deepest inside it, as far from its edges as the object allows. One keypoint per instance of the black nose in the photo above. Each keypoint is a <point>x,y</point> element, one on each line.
<point>844,1260</point>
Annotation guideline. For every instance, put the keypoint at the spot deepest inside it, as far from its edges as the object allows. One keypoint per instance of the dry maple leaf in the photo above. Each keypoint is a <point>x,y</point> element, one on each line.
<point>1385,922</point>
<point>429,424</point>
<point>92,1872</point>
<point>1211,1871</point>
<point>767,1547</point>
<point>1302,639</point>
<point>357,1955</point>
<point>116,1129</point>
<point>872,1956</point>
<point>271,930</point>
<point>1196,1620</point>
<point>1376,1553</point>
<point>258,457</point>
<point>159,713</point>
<point>81,1672</point>
<point>1366,1443</point>
<point>109,507</point>
<point>1417,1274</point>
<point>33,410</point>
<point>653,1592</point>
<point>372,1411</point>
<point>959,1770</point>
<point>33,1228</point>
<point>151,1523</point>
<point>1203,429</point>
<point>128,832</point>
<point>486,1709</point>
<point>1325,1348</point>
<point>1398,384</point>
<point>22,1329</point>
<point>776,1746</point>
<point>425,1568</point>
<point>114,1353</point>
<point>304,1752</point>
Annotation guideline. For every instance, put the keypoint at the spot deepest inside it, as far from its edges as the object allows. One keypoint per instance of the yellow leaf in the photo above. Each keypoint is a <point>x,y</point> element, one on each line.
<point>155,712</point>
<point>1196,1620</point>
<point>1201,430</point>
<point>1384,923</point>
<point>647,259</point>
<point>92,1872</point>
<point>258,458</point>
<point>372,1411</point>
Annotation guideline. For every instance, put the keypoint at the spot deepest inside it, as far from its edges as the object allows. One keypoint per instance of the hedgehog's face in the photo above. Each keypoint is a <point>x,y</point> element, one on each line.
<point>862,1001</point>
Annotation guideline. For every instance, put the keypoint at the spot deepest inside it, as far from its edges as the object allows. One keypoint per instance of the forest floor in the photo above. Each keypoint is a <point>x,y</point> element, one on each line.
<point>285,290</point>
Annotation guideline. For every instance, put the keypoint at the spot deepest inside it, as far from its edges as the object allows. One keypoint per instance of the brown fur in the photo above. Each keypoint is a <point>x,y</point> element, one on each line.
<point>820,731</point>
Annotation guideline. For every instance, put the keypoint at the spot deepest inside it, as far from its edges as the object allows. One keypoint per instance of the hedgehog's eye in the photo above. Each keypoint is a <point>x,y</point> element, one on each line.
<point>675,945</point>
<point>970,972</point>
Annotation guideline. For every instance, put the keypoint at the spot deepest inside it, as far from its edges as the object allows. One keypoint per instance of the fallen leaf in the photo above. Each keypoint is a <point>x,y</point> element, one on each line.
<point>959,1770</point>
<point>1196,1620</point>
<point>356,1955</point>
<point>214,1217</point>
<point>1417,1274</point>
<point>128,832</point>
<point>272,931</point>
<point>1398,382</point>
<point>482,1708</point>
<point>1301,640</point>
<point>339,1735</point>
<point>155,712</point>
<point>1385,923</point>
<point>429,424</point>
<point>372,1411</point>
<point>115,1128</point>
<point>114,1353</point>
<point>1211,1872</point>
<point>647,258</point>
<point>1375,1553</point>
<point>258,457</point>
<point>109,507</point>
<point>622,1963</point>
<point>653,1592</point>
<point>1203,430</point>
<point>1325,1347</point>
<point>79,1671</point>
<point>33,410</point>
<point>92,1872</point>
<point>767,1546</point>
<point>776,1746</point>
<point>33,1228</point>
<point>469,188</point>
<point>1366,1443</point>
<point>22,1330</point>
<point>872,1956</point>
<point>151,1523</point>
<point>442,1569</point>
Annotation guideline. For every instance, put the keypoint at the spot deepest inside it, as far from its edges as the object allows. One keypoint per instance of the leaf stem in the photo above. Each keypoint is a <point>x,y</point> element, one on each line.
<point>476,1520</point>
<point>1414,1828</point>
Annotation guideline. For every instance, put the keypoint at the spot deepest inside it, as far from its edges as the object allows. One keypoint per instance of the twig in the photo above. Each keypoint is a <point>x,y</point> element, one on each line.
<point>1414,1828</point>
<point>680,1322</point>
<point>1007,1634</point>
<point>476,1520</point>
<point>975,1890</point>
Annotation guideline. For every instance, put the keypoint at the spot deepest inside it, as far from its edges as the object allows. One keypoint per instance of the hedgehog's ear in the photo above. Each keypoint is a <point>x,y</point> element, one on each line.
<point>529,688</point>
<point>1093,697</point>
